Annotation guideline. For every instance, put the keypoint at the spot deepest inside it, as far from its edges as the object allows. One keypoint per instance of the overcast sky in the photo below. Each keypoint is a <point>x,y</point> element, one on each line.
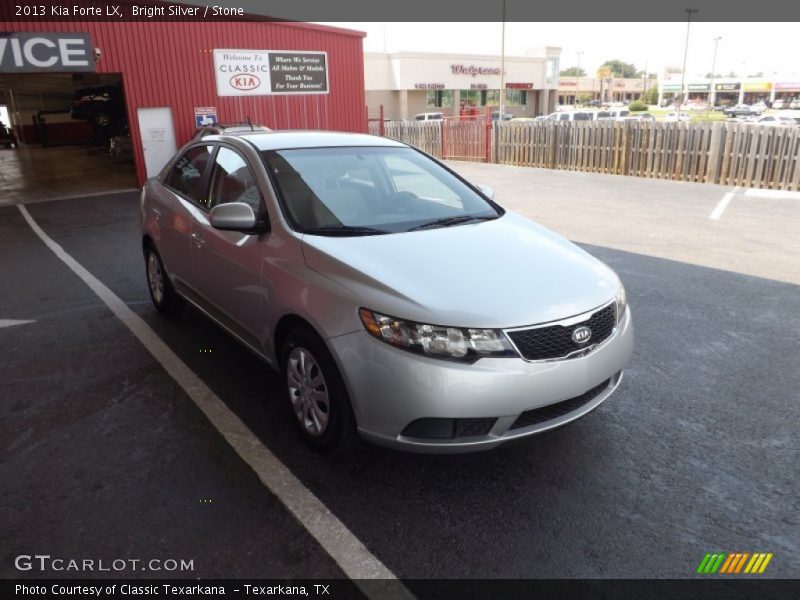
<point>745,48</point>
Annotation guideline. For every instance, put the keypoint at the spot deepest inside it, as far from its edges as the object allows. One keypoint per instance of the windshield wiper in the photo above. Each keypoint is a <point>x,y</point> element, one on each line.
<point>344,231</point>
<point>450,221</point>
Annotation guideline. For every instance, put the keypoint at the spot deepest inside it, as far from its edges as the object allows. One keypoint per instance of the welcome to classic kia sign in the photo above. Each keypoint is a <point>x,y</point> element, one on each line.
<point>266,72</point>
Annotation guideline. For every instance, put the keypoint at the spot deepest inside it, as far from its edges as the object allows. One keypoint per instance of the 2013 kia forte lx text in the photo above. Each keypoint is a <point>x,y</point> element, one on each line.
<point>398,301</point>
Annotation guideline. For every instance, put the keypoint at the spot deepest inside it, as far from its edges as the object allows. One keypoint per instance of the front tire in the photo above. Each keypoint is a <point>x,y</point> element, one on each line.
<point>163,295</point>
<point>317,395</point>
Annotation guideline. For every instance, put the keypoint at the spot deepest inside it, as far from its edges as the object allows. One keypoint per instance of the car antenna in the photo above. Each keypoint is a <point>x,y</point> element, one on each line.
<point>249,123</point>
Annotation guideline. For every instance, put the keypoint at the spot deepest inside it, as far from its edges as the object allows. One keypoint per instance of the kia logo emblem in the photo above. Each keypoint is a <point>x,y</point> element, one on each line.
<point>245,82</point>
<point>581,335</point>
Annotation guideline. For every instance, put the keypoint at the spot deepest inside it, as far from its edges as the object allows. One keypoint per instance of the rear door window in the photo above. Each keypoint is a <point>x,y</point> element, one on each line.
<point>188,175</point>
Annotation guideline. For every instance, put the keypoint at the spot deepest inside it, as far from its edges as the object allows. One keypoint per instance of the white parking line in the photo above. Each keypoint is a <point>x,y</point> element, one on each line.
<point>773,194</point>
<point>357,562</point>
<point>723,204</point>
<point>13,322</point>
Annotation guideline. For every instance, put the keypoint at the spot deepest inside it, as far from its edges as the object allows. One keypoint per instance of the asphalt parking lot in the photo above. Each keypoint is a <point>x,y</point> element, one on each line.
<point>105,456</point>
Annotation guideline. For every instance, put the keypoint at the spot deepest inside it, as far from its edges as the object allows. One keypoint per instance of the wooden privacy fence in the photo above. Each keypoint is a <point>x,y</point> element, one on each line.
<point>725,153</point>
<point>425,135</point>
<point>466,139</point>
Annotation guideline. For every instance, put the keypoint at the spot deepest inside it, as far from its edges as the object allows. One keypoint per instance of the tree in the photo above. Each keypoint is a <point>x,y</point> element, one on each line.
<point>759,74</point>
<point>651,97</point>
<point>574,72</point>
<point>622,69</point>
<point>710,75</point>
<point>731,74</point>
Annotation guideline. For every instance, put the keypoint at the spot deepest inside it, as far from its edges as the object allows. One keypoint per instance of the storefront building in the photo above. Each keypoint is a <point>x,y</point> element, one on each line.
<point>786,91</point>
<point>726,91</point>
<point>610,89</point>
<point>409,83</point>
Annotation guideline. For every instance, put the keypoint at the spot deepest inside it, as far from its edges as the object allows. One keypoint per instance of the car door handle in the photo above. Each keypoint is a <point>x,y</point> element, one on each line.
<point>157,212</point>
<point>198,240</point>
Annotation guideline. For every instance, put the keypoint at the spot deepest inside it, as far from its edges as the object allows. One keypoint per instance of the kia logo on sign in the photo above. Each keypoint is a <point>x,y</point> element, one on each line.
<point>245,82</point>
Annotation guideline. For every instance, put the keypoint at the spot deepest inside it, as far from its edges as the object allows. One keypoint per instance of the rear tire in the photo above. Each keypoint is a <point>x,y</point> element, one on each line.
<point>317,395</point>
<point>163,295</point>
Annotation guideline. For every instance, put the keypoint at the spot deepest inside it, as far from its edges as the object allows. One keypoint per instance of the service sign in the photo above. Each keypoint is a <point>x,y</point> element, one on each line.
<point>298,72</point>
<point>267,72</point>
<point>24,52</point>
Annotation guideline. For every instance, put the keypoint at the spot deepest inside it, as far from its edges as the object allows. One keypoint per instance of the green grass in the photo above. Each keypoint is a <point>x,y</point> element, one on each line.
<point>698,116</point>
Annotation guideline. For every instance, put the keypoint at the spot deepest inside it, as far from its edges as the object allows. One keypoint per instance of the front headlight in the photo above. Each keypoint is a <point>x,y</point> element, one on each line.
<point>451,343</point>
<point>622,302</point>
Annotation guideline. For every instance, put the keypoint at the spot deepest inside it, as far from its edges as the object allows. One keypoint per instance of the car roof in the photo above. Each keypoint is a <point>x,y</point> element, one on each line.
<point>283,140</point>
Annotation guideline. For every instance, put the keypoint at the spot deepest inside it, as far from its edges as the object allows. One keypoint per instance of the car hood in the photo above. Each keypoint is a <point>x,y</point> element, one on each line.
<point>508,272</point>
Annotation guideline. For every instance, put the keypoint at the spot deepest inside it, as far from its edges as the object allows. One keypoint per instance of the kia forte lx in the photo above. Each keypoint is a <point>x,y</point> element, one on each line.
<point>399,302</point>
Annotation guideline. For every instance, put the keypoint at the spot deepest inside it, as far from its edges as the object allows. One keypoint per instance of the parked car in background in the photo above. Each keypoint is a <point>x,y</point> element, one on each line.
<point>739,110</point>
<point>506,116</point>
<point>795,104</point>
<point>674,117</point>
<point>331,256</point>
<point>774,121</point>
<point>218,128</point>
<point>780,104</point>
<point>7,136</point>
<point>428,116</point>
<point>103,106</point>
<point>758,107</point>
<point>527,119</point>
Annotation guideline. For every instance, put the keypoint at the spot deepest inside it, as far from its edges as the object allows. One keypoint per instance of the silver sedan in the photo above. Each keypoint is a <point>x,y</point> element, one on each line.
<point>399,301</point>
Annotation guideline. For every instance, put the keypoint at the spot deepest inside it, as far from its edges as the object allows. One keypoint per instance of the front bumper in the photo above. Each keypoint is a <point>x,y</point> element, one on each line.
<point>391,388</point>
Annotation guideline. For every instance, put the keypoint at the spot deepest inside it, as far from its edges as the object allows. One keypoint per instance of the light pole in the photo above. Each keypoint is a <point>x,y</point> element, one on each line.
<point>689,12</point>
<point>712,96</point>
<point>644,82</point>
<point>578,78</point>
<point>502,66</point>
<point>772,91</point>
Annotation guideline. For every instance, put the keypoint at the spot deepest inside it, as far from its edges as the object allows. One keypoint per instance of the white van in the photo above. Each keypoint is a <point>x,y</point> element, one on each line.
<point>612,114</point>
<point>571,116</point>
<point>428,116</point>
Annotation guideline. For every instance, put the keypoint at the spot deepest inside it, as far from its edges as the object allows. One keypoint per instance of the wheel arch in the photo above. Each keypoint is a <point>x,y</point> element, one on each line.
<point>285,324</point>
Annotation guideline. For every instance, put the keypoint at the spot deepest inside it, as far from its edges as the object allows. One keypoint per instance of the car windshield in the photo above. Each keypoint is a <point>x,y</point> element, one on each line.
<point>371,190</point>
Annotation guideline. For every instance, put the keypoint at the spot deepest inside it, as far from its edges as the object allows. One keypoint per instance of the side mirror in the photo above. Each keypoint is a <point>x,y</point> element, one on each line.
<point>486,191</point>
<point>233,216</point>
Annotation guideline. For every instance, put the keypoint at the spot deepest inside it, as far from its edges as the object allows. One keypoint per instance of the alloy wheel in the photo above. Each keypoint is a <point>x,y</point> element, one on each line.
<point>308,391</point>
<point>155,277</point>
